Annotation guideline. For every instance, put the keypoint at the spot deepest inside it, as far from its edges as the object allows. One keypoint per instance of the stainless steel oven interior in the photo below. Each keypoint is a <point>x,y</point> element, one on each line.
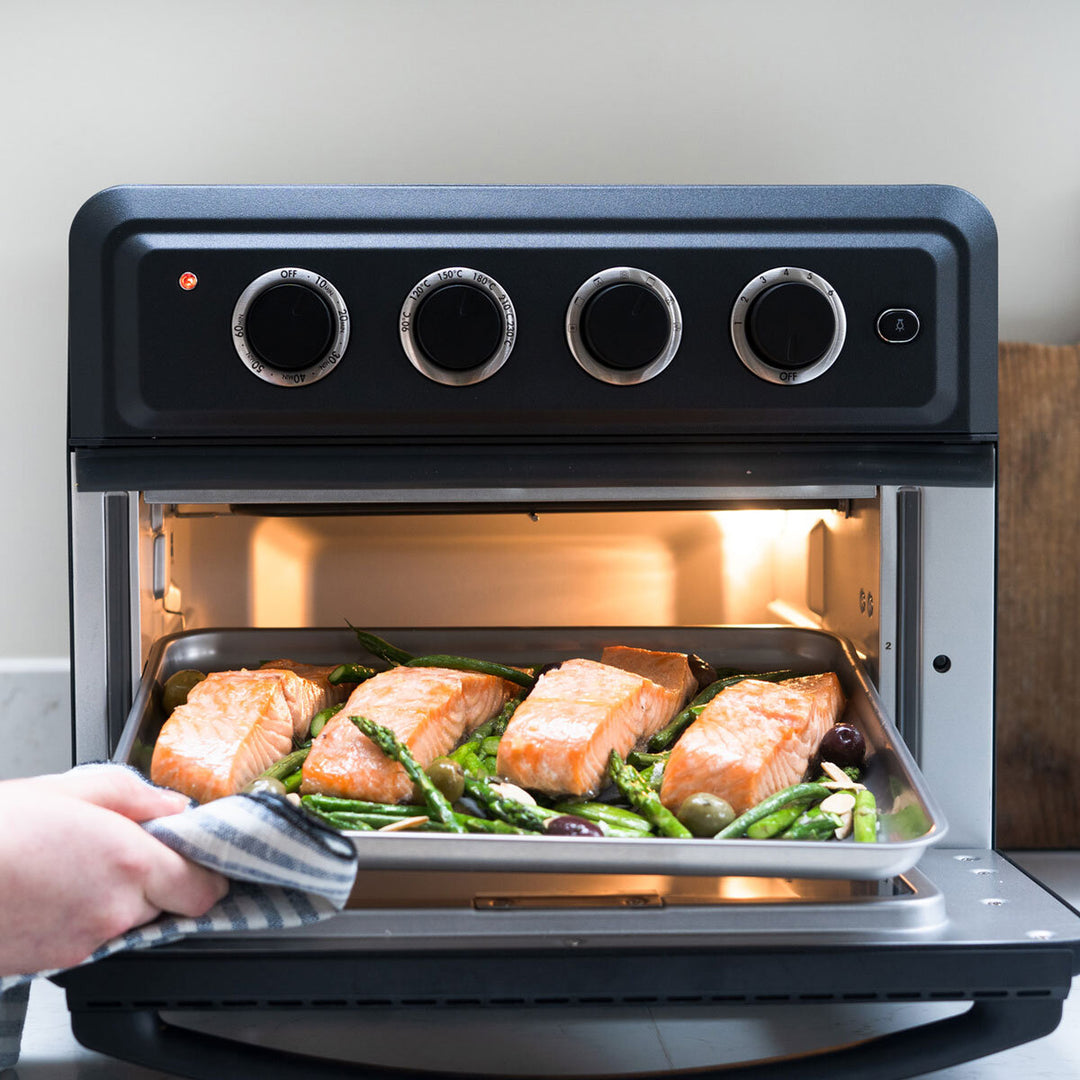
<point>551,499</point>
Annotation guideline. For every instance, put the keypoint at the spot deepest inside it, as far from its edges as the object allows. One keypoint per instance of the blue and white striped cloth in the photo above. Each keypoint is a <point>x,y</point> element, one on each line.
<point>287,870</point>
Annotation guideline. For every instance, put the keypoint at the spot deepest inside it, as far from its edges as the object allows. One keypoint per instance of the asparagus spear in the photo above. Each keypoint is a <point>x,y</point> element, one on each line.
<point>643,798</point>
<point>509,810</point>
<point>437,806</point>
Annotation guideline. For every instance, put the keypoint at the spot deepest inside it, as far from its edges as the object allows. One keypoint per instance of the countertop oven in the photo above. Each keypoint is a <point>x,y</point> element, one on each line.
<point>757,423</point>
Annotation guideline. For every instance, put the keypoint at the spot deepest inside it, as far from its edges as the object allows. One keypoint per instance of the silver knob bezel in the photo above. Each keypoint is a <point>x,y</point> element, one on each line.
<point>615,275</point>
<point>285,275</point>
<point>762,368</point>
<point>431,283</point>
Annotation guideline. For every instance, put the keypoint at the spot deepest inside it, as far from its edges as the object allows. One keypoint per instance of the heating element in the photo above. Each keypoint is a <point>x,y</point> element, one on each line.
<point>756,422</point>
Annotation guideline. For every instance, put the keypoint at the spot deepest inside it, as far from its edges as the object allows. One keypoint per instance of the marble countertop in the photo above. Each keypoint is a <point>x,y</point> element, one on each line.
<point>636,1040</point>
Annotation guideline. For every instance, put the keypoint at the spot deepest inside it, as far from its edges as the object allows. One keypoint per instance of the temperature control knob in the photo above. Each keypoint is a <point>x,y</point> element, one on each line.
<point>788,325</point>
<point>290,326</point>
<point>458,326</point>
<point>623,326</point>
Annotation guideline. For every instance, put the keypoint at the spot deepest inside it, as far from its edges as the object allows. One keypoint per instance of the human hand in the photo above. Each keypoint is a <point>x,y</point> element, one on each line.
<point>78,870</point>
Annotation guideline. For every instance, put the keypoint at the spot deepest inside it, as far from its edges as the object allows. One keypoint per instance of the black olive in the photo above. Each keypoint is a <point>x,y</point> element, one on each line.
<point>705,814</point>
<point>702,670</point>
<point>572,825</point>
<point>468,805</point>
<point>843,745</point>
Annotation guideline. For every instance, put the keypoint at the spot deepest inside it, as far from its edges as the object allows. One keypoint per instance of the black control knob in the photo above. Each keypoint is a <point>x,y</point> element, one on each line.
<point>289,326</point>
<point>458,327</point>
<point>625,326</point>
<point>791,325</point>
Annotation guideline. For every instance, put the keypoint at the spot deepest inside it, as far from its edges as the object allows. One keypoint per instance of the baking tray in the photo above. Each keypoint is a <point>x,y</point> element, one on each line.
<point>910,818</point>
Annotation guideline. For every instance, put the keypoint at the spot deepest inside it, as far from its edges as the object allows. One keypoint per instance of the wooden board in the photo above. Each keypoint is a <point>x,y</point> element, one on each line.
<point>1038,625</point>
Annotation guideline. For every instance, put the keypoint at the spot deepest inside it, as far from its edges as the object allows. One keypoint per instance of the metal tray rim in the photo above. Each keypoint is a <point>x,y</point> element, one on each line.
<point>769,858</point>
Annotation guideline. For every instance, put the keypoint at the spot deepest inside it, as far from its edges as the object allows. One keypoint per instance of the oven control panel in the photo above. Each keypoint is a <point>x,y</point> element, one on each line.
<point>549,312</point>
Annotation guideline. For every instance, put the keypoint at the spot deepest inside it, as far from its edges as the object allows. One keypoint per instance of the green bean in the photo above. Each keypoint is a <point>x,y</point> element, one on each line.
<point>777,821</point>
<point>285,766</point>
<point>605,814</point>
<point>379,647</point>
<point>810,792</point>
<point>813,824</point>
<point>337,804</point>
<point>350,673</point>
<point>318,721</point>
<point>468,663</point>
<point>864,822</point>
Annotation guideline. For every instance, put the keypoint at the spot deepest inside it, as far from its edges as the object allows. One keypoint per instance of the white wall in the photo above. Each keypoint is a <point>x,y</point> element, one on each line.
<point>979,94</point>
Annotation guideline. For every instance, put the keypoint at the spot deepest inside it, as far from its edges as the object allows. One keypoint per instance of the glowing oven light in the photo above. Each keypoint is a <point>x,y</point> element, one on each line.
<point>188,281</point>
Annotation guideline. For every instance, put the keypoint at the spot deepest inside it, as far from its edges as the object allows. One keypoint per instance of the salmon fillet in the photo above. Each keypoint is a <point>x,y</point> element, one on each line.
<point>668,669</point>
<point>429,709</point>
<point>224,736</point>
<point>308,690</point>
<point>561,736</point>
<point>752,740</point>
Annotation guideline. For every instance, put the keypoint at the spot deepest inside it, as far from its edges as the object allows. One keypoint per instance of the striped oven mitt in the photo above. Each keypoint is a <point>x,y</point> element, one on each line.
<point>288,870</point>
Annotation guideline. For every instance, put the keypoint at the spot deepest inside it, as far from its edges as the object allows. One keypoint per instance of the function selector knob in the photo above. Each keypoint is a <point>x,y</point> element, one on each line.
<point>623,325</point>
<point>290,327</point>
<point>788,325</point>
<point>458,326</point>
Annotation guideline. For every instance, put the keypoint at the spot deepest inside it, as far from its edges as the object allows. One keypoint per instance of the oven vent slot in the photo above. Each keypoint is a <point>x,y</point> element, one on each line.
<point>541,1000</point>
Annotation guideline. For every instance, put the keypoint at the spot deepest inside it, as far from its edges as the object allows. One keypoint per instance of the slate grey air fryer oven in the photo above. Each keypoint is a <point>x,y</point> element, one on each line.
<point>754,423</point>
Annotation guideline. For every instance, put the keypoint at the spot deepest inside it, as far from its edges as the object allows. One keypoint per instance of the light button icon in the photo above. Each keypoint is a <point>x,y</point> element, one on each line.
<point>898,326</point>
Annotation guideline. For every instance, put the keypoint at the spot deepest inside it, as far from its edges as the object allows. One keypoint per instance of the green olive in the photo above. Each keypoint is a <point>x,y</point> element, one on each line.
<point>705,814</point>
<point>448,776</point>
<point>267,785</point>
<point>177,686</point>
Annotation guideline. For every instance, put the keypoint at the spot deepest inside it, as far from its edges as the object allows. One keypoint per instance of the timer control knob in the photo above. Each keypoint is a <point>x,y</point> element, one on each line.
<point>290,327</point>
<point>623,326</point>
<point>788,325</point>
<point>458,326</point>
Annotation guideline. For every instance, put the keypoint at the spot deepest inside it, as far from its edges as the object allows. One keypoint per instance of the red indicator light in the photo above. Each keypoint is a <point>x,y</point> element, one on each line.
<point>188,281</point>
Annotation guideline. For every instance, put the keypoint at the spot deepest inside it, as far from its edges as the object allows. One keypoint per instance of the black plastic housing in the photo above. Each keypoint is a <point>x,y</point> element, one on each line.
<point>152,361</point>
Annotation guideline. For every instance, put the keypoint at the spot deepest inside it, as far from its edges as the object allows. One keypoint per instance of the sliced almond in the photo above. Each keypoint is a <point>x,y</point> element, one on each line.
<point>832,785</point>
<point>512,791</point>
<point>405,823</point>
<point>293,798</point>
<point>844,829</point>
<point>839,776</point>
<point>840,802</point>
